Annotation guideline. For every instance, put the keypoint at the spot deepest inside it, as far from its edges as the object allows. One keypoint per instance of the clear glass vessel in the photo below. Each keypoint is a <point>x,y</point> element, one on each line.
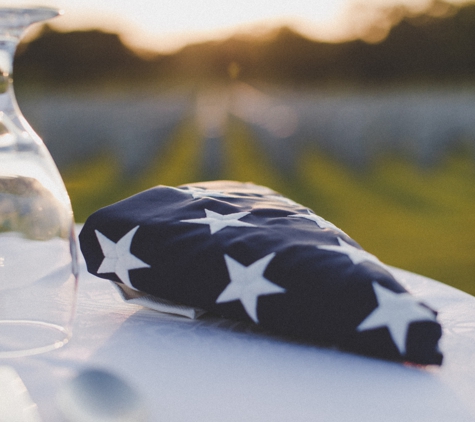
<point>38,250</point>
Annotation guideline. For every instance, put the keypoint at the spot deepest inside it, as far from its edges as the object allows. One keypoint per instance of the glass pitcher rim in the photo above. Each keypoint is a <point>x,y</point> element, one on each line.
<point>30,14</point>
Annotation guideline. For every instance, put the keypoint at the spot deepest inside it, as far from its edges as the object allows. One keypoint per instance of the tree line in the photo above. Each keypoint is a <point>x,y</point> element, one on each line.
<point>417,49</point>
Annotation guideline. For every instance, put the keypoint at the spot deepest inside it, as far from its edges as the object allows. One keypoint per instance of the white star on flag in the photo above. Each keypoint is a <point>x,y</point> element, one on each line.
<point>395,311</point>
<point>248,283</point>
<point>218,221</point>
<point>356,255</point>
<point>117,257</point>
<point>284,200</point>
<point>202,193</point>
<point>321,222</point>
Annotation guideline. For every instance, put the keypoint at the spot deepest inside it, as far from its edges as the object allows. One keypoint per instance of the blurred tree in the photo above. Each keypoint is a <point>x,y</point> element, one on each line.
<point>79,57</point>
<point>431,47</point>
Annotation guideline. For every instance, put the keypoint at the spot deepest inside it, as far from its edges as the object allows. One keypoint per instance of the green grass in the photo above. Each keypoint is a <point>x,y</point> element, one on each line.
<point>99,182</point>
<point>176,165</point>
<point>93,184</point>
<point>419,220</point>
<point>246,163</point>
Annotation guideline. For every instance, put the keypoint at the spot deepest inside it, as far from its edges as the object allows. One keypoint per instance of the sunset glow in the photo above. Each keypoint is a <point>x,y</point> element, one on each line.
<point>170,24</point>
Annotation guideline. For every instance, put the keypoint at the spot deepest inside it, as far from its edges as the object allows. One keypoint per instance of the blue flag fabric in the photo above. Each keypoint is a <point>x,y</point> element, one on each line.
<point>245,252</point>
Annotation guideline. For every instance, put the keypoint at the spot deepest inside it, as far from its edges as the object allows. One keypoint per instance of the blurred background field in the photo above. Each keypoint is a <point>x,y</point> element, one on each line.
<point>375,134</point>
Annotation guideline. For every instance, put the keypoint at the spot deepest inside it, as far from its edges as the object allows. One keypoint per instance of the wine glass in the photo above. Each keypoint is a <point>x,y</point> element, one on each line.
<point>38,250</point>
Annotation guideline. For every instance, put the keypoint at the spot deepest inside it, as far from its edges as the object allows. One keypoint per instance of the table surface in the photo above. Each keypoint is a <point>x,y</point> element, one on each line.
<point>211,369</point>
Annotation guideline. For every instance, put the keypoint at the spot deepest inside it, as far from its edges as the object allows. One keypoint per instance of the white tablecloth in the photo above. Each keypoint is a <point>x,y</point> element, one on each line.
<point>212,370</point>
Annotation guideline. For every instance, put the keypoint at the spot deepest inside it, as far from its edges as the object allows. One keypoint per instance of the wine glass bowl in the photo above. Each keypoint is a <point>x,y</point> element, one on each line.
<point>38,251</point>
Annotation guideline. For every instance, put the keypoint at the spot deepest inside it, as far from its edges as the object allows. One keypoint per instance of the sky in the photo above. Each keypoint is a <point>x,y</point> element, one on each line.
<point>166,25</point>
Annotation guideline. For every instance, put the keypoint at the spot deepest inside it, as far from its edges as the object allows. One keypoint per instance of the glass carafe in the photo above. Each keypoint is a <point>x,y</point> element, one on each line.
<point>38,261</point>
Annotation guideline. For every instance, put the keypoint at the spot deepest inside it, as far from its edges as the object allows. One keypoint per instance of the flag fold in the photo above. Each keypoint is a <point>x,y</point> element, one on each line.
<point>245,252</point>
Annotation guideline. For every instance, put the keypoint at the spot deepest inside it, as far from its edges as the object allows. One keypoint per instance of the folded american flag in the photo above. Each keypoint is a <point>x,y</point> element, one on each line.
<point>245,252</point>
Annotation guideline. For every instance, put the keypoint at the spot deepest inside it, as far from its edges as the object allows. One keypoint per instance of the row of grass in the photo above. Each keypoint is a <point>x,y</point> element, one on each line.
<point>100,182</point>
<point>419,220</point>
